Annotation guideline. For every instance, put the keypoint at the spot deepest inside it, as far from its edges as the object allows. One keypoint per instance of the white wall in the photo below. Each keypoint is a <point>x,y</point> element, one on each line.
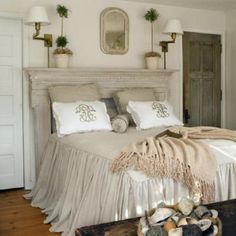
<point>231,69</point>
<point>82,29</point>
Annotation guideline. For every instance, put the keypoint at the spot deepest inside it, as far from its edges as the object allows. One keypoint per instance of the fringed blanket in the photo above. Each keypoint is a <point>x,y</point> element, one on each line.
<point>176,153</point>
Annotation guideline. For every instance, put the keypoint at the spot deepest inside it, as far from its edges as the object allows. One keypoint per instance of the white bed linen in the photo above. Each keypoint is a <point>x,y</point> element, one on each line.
<point>76,187</point>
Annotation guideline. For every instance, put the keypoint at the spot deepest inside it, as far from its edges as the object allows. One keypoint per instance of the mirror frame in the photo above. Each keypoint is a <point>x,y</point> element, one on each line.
<point>103,46</point>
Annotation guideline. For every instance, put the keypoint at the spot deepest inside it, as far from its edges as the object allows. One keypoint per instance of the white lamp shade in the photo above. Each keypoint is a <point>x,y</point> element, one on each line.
<point>173,26</point>
<point>37,14</point>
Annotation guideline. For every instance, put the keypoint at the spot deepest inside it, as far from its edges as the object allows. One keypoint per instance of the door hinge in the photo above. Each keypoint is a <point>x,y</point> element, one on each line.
<point>221,95</point>
<point>221,48</point>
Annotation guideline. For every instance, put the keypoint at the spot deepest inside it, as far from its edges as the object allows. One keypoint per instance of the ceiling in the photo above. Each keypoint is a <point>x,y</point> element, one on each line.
<point>220,5</point>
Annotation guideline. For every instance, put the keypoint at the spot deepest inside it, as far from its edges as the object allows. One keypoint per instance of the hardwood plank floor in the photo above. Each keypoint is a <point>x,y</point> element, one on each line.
<point>18,218</point>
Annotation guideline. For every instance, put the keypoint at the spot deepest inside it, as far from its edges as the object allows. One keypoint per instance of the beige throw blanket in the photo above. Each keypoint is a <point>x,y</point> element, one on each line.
<point>176,153</point>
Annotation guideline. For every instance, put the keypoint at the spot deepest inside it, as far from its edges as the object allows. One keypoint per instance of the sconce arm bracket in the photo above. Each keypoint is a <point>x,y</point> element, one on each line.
<point>47,39</point>
<point>164,44</point>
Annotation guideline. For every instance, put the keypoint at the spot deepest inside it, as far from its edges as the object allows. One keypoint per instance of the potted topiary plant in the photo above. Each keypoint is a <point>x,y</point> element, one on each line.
<point>62,53</point>
<point>152,57</point>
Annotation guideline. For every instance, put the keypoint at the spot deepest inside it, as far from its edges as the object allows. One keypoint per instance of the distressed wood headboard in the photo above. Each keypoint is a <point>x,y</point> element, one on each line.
<point>108,80</point>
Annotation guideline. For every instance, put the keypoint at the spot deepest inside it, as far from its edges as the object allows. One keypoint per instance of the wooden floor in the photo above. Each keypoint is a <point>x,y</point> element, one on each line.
<point>18,218</point>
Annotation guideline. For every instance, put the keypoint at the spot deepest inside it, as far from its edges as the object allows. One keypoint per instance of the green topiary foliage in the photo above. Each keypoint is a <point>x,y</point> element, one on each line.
<point>61,41</point>
<point>62,11</point>
<point>151,15</point>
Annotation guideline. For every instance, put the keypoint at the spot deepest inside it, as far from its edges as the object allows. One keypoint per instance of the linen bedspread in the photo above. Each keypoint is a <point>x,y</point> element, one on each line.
<point>77,188</point>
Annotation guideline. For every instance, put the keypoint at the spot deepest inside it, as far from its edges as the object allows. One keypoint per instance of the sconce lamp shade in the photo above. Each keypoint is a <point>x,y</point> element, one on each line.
<point>37,14</point>
<point>173,26</point>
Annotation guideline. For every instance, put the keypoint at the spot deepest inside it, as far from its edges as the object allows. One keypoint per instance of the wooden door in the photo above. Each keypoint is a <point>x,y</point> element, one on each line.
<point>11,147</point>
<point>202,79</point>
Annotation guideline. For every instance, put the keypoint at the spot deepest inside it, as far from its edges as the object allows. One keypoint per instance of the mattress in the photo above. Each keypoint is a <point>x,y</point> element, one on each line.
<point>76,187</point>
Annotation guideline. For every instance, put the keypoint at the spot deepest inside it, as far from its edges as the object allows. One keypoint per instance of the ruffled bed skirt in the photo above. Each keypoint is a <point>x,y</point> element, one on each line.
<point>76,188</point>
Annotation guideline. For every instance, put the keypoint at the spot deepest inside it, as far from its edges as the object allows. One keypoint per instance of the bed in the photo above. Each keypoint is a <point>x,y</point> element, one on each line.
<point>75,186</point>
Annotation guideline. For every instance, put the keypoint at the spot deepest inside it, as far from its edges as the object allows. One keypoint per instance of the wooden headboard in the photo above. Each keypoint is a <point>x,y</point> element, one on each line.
<point>108,80</point>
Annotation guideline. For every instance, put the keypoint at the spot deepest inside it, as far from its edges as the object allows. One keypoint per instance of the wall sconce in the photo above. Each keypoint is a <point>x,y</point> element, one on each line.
<point>37,16</point>
<point>173,28</point>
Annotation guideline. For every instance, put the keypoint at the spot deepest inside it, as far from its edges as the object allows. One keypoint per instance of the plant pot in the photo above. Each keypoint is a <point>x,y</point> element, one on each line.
<point>62,60</point>
<point>152,63</point>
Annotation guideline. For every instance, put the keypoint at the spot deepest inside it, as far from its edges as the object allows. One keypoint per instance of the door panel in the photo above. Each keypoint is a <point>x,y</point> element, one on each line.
<point>207,97</point>
<point>202,78</point>
<point>6,105</point>
<point>6,78</point>
<point>195,57</point>
<point>11,145</point>
<point>195,105</point>
<point>6,45</point>
<point>207,57</point>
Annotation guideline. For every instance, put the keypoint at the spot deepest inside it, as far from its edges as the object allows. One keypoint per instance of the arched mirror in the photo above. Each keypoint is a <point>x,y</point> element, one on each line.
<point>114,31</point>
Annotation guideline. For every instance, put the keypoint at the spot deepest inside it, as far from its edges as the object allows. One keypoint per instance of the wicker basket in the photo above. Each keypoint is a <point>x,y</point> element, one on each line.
<point>219,223</point>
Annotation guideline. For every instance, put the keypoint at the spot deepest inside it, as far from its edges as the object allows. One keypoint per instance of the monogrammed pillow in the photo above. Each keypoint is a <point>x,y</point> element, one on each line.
<point>81,116</point>
<point>152,114</point>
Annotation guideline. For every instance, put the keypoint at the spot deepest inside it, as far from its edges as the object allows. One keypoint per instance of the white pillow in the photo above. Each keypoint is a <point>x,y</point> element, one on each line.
<point>80,116</point>
<point>152,114</point>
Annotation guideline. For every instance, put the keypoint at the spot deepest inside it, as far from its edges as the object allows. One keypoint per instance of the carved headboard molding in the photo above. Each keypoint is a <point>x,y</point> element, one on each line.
<point>108,80</point>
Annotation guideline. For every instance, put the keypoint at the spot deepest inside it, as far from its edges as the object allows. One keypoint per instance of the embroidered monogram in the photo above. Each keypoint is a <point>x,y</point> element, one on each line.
<point>86,113</point>
<point>160,109</point>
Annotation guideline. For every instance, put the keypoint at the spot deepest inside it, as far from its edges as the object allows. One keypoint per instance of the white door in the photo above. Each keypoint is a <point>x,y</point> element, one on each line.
<point>11,144</point>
